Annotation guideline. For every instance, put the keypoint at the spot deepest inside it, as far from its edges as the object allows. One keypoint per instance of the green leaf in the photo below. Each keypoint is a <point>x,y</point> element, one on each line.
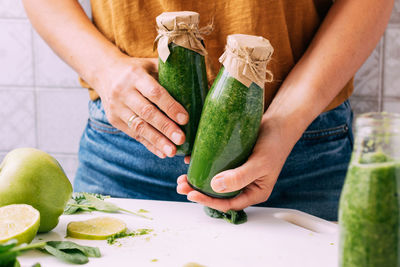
<point>8,245</point>
<point>100,204</point>
<point>70,209</point>
<point>78,203</point>
<point>37,265</point>
<point>73,256</point>
<point>231,216</point>
<point>68,245</point>
<point>213,213</point>
<point>8,258</point>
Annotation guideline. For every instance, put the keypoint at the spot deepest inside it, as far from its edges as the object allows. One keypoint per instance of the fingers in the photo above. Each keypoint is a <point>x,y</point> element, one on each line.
<point>152,115</point>
<point>183,187</point>
<point>252,194</point>
<point>153,91</point>
<point>235,179</point>
<point>141,130</point>
<point>249,196</point>
<point>187,159</point>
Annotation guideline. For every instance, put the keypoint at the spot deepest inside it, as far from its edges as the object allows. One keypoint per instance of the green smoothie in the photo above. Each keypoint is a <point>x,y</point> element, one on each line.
<point>183,75</point>
<point>369,214</point>
<point>227,132</point>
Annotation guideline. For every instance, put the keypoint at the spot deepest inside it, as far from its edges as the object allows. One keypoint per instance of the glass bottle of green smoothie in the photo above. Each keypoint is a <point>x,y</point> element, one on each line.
<point>232,112</point>
<point>182,69</point>
<point>369,212</point>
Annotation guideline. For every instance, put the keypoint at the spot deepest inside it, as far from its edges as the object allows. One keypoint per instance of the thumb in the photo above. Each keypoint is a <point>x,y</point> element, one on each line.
<point>234,179</point>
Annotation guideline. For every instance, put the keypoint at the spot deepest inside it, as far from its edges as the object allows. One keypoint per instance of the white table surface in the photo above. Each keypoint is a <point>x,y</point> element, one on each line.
<point>183,233</point>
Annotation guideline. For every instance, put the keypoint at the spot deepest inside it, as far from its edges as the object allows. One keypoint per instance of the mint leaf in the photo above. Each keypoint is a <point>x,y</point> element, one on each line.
<point>94,202</point>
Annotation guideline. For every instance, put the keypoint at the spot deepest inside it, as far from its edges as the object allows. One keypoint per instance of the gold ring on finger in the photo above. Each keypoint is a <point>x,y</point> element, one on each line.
<point>130,120</point>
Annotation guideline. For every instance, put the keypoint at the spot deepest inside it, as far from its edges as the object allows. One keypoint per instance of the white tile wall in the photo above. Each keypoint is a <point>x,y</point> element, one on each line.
<point>61,117</point>
<point>50,70</point>
<point>17,118</point>
<point>392,105</point>
<point>367,81</point>
<point>16,53</point>
<point>12,9</point>
<point>392,63</point>
<point>377,83</point>
<point>41,102</point>
<point>69,164</point>
<point>395,18</point>
<point>42,106</point>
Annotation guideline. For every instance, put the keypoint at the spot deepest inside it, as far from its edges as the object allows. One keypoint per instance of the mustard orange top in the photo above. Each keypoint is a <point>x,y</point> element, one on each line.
<point>289,25</point>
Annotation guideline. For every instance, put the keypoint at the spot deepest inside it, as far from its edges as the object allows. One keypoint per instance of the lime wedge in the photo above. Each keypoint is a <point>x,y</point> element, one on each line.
<point>96,228</point>
<point>20,222</point>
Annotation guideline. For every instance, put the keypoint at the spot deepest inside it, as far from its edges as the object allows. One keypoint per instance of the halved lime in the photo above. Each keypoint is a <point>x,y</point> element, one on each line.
<point>20,222</point>
<point>96,228</point>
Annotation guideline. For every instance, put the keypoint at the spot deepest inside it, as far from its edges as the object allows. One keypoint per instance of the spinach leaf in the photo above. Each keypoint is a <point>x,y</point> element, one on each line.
<point>67,245</point>
<point>231,216</point>
<point>8,258</point>
<point>8,245</point>
<point>10,251</point>
<point>64,250</point>
<point>73,256</point>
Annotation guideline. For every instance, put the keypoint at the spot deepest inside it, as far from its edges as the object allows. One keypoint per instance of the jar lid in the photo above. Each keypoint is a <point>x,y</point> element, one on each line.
<point>246,58</point>
<point>169,19</point>
<point>180,28</point>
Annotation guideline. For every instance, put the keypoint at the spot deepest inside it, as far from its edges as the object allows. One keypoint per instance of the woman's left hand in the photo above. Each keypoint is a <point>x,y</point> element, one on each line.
<point>257,176</point>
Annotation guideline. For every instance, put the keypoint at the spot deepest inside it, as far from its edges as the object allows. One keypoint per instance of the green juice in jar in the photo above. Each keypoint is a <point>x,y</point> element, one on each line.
<point>182,72</point>
<point>227,131</point>
<point>184,76</point>
<point>369,213</point>
<point>230,121</point>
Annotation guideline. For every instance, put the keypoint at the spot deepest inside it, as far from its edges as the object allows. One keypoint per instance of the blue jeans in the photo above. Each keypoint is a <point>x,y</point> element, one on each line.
<point>112,163</point>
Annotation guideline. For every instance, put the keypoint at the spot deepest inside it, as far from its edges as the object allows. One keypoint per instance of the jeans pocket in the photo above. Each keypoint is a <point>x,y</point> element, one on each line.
<point>102,127</point>
<point>327,134</point>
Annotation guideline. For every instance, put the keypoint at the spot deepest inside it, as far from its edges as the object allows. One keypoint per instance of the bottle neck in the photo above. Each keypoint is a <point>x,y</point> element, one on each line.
<point>377,138</point>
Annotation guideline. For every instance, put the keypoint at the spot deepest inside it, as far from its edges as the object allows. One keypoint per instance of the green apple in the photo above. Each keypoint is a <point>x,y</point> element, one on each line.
<point>31,176</point>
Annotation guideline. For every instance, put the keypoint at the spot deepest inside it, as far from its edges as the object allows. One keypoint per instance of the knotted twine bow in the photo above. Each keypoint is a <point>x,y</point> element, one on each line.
<point>246,64</point>
<point>183,34</point>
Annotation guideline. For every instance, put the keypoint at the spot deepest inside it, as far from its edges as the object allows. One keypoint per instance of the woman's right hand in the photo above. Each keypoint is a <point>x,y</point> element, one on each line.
<point>129,87</point>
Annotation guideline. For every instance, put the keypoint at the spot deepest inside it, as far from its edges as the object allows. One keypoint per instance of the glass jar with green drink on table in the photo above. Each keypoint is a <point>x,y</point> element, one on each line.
<point>369,213</point>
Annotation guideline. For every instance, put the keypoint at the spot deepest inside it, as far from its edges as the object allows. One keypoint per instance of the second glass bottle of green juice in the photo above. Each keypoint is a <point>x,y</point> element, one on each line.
<point>182,70</point>
<point>232,112</point>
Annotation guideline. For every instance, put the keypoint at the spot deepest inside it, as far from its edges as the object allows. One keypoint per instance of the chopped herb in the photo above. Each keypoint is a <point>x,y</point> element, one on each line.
<point>143,211</point>
<point>112,239</point>
<point>193,264</point>
<point>94,202</point>
<point>231,216</point>
<point>63,250</point>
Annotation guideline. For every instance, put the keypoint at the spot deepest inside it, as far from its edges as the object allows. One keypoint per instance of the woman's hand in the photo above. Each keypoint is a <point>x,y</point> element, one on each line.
<point>128,88</point>
<point>257,176</point>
